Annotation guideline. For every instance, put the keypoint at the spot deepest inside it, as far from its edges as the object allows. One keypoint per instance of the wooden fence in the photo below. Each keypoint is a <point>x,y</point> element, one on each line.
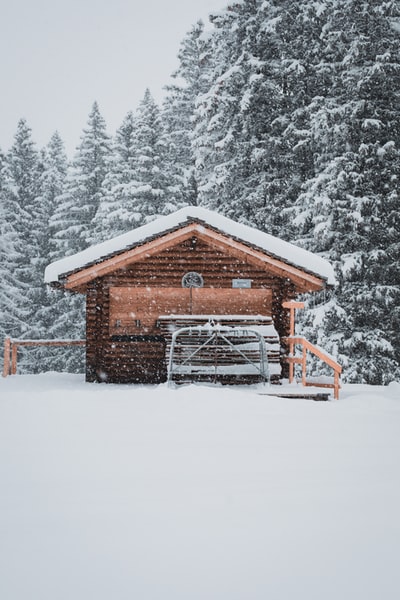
<point>11,350</point>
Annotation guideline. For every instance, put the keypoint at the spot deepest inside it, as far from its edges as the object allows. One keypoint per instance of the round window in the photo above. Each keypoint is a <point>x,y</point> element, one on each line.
<point>192,280</point>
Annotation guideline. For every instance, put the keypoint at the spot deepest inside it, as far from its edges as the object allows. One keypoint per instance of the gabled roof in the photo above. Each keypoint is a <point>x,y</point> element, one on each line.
<point>96,261</point>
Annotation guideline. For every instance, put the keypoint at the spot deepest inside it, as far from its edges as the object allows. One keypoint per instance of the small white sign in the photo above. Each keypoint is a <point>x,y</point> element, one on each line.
<point>241,283</point>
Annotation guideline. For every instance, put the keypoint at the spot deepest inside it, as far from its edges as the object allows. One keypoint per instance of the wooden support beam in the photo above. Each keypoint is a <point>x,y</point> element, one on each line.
<point>304,367</point>
<point>336,385</point>
<point>6,363</point>
<point>49,343</point>
<point>14,350</point>
<point>292,305</point>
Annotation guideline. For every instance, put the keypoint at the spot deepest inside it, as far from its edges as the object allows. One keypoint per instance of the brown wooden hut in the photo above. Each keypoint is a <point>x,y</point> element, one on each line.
<point>183,269</point>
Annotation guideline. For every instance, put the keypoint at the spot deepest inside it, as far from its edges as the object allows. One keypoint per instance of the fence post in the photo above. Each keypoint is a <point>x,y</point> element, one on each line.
<point>14,348</point>
<point>304,366</point>
<point>336,386</point>
<point>6,364</point>
<point>292,305</point>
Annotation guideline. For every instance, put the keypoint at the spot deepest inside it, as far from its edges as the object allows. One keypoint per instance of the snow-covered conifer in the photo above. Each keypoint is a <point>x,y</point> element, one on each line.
<point>59,315</point>
<point>149,195</point>
<point>83,189</point>
<point>178,111</point>
<point>22,211</point>
<point>116,213</point>
<point>349,209</point>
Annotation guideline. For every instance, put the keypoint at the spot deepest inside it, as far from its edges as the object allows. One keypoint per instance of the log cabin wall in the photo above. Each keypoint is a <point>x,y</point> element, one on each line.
<point>137,354</point>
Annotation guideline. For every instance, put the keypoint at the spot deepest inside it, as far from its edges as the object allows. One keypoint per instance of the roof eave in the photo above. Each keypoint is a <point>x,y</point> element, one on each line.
<point>304,280</point>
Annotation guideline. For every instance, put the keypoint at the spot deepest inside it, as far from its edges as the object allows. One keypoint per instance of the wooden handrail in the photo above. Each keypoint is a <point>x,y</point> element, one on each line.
<point>11,349</point>
<point>319,353</point>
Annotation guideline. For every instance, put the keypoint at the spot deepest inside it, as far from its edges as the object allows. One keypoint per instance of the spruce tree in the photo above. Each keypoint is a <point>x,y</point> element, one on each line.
<point>56,315</point>
<point>116,213</point>
<point>81,198</point>
<point>22,212</point>
<point>11,296</point>
<point>149,196</point>
<point>349,210</point>
<point>177,115</point>
<point>298,133</point>
<point>217,115</point>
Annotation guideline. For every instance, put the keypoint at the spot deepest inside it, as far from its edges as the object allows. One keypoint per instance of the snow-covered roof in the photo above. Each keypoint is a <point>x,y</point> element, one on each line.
<point>268,244</point>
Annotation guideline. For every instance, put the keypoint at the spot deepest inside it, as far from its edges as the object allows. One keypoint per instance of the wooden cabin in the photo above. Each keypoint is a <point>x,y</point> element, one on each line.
<point>186,269</point>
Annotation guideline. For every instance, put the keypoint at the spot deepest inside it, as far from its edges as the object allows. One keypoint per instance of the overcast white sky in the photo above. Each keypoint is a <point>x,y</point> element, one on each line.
<point>58,56</point>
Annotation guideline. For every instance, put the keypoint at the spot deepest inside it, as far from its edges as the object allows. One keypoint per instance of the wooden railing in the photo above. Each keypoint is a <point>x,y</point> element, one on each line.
<point>307,346</point>
<point>11,349</point>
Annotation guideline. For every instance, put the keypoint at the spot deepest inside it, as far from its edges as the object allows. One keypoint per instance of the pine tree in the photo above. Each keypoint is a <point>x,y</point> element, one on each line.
<point>177,115</point>
<point>217,114</point>
<point>242,140</point>
<point>298,133</point>
<point>349,210</point>
<point>56,313</point>
<point>150,197</point>
<point>11,295</point>
<point>83,190</point>
<point>116,213</point>
<point>23,221</point>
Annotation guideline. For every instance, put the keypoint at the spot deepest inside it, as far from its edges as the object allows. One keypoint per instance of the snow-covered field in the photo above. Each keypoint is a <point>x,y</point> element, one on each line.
<point>151,493</point>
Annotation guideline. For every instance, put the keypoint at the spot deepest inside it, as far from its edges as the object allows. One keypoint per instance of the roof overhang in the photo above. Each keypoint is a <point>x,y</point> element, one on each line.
<point>303,280</point>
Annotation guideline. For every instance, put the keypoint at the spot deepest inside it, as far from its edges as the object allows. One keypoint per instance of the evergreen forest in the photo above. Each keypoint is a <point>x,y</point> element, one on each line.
<point>282,115</point>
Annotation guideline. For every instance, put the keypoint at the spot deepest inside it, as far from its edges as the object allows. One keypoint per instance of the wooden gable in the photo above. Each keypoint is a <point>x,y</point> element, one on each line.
<point>194,233</point>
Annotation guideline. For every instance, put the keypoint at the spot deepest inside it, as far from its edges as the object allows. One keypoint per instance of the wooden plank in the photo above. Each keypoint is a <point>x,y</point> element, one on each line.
<point>336,385</point>
<point>295,360</point>
<point>297,395</point>
<point>14,349</point>
<point>304,366</point>
<point>50,342</point>
<point>323,356</point>
<point>136,309</point>
<point>293,304</point>
<point>232,301</point>
<point>7,363</point>
<point>317,384</point>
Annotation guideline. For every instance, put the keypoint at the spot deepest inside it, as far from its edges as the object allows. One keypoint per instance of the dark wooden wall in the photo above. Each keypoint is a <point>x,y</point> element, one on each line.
<point>139,355</point>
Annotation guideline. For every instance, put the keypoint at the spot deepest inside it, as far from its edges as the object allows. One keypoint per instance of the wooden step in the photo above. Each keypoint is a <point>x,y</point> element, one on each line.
<point>316,395</point>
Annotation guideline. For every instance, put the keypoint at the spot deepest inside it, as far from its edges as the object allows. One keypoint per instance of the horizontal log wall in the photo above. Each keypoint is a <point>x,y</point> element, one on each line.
<point>113,358</point>
<point>136,310</point>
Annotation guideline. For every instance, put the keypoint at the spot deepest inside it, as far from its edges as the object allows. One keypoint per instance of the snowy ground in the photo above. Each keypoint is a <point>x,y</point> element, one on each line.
<point>148,493</point>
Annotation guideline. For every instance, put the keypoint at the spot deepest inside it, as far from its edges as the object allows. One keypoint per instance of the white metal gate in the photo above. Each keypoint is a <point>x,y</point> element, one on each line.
<point>217,353</point>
